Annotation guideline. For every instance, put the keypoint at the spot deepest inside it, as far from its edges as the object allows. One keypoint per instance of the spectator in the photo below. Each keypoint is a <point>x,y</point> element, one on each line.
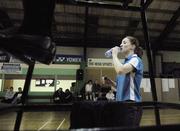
<point>17,96</point>
<point>110,95</point>
<point>9,95</point>
<point>58,96</point>
<point>88,90</point>
<point>102,97</point>
<point>68,96</point>
<point>73,86</point>
<point>106,85</point>
<point>96,89</point>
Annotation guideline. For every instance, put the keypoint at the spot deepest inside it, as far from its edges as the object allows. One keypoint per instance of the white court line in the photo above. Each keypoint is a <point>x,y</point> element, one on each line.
<point>44,125</point>
<point>60,124</point>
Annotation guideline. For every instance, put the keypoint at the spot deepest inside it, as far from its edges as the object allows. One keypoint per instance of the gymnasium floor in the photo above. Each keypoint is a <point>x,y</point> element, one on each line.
<point>38,121</point>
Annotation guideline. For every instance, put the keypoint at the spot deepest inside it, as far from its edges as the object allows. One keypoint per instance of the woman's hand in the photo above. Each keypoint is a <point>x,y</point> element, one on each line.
<point>115,50</point>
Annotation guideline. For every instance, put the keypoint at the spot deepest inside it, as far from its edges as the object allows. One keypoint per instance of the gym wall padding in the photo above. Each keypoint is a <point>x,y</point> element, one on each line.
<point>172,95</point>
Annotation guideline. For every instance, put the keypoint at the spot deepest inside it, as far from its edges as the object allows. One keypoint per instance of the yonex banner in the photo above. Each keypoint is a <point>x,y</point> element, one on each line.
<point>67,59</point>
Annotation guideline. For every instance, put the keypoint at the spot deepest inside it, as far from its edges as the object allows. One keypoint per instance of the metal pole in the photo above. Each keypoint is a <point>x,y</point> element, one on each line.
<point>86,31</point>
<point>24,96</point>
<point>150,62</point>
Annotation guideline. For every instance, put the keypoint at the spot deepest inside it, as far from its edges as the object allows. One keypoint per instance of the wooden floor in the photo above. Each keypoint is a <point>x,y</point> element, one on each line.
<point>37,121</point>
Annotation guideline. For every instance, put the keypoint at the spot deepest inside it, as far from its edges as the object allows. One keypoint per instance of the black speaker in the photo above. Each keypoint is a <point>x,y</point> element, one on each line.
<point>79,74</point>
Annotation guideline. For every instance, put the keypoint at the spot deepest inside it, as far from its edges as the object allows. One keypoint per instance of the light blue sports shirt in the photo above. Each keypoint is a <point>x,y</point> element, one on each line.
<point>128,85</point>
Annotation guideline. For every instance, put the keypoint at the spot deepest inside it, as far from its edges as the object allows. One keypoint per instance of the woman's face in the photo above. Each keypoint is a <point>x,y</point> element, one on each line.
<point>126,46</point>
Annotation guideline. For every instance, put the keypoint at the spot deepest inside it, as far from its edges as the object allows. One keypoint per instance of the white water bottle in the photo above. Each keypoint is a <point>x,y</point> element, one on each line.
<point>108,53</point>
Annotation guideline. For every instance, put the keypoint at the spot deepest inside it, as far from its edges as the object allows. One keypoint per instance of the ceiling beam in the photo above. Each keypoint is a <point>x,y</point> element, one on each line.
<point>169,27</point>
<point>149,10</point>
<point>100,4</point>
<point>106,43</point>
<point>74,14</point>
<point>114,27</point>
<point>131,28</point>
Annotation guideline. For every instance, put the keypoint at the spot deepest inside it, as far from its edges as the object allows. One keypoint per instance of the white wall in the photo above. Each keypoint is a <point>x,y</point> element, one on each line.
<point>64,84</point>
<point>18,83</point>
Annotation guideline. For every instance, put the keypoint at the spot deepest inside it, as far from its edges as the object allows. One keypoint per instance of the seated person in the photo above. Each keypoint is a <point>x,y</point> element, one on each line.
<point>17,96</point>
<point>88,90</point>
<point>102,97</point>
<point>73,86</point>
<point>68,96</point>
<point>110,95</point>
<point>106,85</point>
<point>9,95</point>
<point>58,96</point>
<point>96,89</point>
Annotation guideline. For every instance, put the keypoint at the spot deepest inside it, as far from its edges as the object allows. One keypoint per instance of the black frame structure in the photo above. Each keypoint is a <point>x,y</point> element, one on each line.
<point>24,95</point>
<point>123,6</point>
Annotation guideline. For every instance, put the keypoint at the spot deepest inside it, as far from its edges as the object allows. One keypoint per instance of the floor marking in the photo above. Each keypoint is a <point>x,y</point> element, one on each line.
<point>44,125</point>
<point>60,124</point>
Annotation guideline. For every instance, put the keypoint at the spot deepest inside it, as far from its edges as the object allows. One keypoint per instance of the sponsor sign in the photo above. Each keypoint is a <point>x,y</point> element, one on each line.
<point>11,68</point>
<point>59,59</point>
<point>45,82</point>
<point>100,62</point>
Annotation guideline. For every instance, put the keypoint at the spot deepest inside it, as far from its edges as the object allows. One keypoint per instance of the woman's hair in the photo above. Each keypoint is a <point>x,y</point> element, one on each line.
<point>134,41</point>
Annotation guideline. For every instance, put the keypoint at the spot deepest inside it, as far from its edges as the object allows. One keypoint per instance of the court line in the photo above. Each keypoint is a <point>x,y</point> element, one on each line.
<point>44,125</point>
<point>60,124</point>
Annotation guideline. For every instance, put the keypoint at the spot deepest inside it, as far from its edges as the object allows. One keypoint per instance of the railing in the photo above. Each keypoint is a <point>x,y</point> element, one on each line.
<point>6,108</point>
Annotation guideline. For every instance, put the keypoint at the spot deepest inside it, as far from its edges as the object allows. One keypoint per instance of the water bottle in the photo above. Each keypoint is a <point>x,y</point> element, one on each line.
<point>108,53</point>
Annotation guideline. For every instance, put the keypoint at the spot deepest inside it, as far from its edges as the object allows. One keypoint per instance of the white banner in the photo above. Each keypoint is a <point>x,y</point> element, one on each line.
<point>92,62</point>
<point>11,68</point>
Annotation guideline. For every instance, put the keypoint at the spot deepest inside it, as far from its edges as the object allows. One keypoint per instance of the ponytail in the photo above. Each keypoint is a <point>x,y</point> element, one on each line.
<point>139,51</point>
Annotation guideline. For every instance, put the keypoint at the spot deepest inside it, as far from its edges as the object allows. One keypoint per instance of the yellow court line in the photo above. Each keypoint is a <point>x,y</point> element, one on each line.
<point>44,125</point>
<point>60,124</point>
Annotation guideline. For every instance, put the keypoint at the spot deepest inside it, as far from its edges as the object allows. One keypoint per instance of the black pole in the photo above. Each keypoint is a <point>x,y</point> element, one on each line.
<point>150,62</point>
<point>27,82</point>
<point>24,96</point>
<point>86,32</point>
